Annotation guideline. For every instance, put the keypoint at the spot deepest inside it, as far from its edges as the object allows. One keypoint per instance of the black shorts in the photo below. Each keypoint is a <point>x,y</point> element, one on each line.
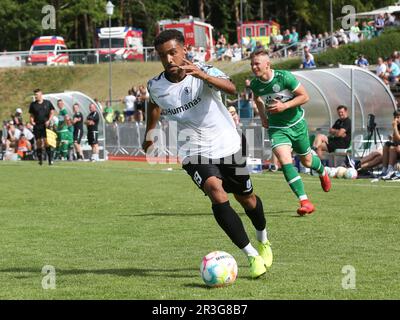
<point>92,137</point>
<point>334,144</point>
<point>39,131</point>
<point>78,133</point>
<point>232,171</point>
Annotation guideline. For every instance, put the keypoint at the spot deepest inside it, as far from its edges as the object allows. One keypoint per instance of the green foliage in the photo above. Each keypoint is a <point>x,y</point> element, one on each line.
<point>382,46</point>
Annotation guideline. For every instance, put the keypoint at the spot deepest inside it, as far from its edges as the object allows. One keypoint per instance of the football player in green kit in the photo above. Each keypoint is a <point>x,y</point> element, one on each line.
<point>279,96</point>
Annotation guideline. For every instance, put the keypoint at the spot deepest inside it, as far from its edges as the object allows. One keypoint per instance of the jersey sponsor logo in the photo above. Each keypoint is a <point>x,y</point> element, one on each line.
<point>197,178</point>
<point>180,109</point>
<point>187,90</point>
<point>276,87</point>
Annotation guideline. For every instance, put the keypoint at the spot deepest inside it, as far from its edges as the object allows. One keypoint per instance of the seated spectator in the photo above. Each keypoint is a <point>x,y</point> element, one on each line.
<point>277,40</point>
<point>228,54</point>
<point>392,71</point>
<point>381,70</point>
<point>24,148</point>
<point>17,117</point>
<point>237,52</point>
<point>259,46</point>
<point>370,161</point>
<point>362,61</point>
<point>391,150</point>
<point>13,135</point>
<point>339,134</point>
<point>308,62</point>
<point>27,133</point>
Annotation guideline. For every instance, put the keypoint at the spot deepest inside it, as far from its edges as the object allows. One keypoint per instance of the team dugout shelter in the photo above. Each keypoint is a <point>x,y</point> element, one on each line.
<point>360,90</point>
<point>72,97</point>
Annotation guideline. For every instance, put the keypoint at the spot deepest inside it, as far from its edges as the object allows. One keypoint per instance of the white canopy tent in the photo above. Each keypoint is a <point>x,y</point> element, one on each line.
<point>72,97</point>
<point>360,90</point>
<point>376,12</point>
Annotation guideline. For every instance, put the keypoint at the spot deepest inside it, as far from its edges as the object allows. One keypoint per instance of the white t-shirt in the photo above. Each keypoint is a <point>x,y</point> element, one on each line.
<point>381,69</point>
<point>129,102</point>
<point>205,127</point>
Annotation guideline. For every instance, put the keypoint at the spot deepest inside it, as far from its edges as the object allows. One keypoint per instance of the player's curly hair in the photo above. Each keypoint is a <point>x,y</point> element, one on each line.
<point>167,35</point>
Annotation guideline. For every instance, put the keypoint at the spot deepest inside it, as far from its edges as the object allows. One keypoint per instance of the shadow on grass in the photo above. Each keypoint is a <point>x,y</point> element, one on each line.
<point>125,272</point>
<point>183,214</point>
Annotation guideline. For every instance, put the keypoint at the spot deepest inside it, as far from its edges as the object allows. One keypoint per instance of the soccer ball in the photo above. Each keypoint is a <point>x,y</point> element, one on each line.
<point>340,172</point>
<point>218,269</point>
<point>351,173</point>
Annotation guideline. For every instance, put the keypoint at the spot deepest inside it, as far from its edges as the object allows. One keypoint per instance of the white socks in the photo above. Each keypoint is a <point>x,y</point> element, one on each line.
<point>262,236</point>
<point>250,251</point>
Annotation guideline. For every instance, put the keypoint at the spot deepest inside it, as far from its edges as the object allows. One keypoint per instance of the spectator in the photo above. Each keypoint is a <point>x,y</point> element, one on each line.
<point>367,31</point>
<point>355,33</point>
<point>277,40</point>
<point>362,62</point>
<point>308,62</point>
<point>237,52</point>
<point>129,102</point>
<point>27,133</point>
<point>392,71</point>
<point>139,117</point>
<point>339,134</point>
<point>99,105</point>
<point>251,46</point>
<point>259,46</point>
<point>142,100</point>
<point>108,113</point>
<point>381,70</point>
<point>13,135</point>
<point>228,54</point>
<point>17,117</point>
<point>41,111</point>
<point>221,40</point>
<point>24,148</point>
<point>295,37</point>
<point>379,24</point>
<point>391,150</point>
<point>368,162</point>
<point>77,121</point>
<point>342,37</point>
<point>287,38</point>
<point>92,123</point>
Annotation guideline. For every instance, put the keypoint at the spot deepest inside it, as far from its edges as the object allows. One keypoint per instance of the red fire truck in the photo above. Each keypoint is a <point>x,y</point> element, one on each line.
<point>197,33</point>
<point>259,30</point>
<point>126,43</point>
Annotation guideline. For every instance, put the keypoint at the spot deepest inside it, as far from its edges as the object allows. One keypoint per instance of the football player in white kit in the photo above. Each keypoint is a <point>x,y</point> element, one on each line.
<point>212,155</point>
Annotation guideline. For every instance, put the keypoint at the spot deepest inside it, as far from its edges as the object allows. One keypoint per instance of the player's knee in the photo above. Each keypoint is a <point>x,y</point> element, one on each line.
<point>213,188</point>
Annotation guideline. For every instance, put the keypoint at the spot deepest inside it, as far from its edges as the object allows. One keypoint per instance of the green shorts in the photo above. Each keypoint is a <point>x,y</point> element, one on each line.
<point>296,137</point>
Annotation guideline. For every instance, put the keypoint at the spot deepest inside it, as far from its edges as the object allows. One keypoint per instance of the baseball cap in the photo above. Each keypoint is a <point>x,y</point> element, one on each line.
<point>19,110</point>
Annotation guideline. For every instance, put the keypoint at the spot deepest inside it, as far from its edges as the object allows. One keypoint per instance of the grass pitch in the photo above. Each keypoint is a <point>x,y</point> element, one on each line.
<point>121,230</point>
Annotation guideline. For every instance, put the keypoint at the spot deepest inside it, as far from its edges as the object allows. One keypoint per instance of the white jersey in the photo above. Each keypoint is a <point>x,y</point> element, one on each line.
<point>205,127</point>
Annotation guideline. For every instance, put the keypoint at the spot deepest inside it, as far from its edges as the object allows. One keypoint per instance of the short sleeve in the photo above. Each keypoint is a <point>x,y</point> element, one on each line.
<point>291,82</point>
<point>215,72</point>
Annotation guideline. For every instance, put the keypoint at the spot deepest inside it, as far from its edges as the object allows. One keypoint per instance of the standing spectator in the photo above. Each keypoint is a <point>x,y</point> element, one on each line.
<point>129,102</point>
<point>355,33</point>
<point>379,25</point>
<point>295,37</point>
<point>77,120</point>
<point>237,52</point>
<point>277,40</point>
<point>92,123</point>
<point>41,111</point>
<point>367,31</point>
<point>142,99</point>
<point>108,113</point>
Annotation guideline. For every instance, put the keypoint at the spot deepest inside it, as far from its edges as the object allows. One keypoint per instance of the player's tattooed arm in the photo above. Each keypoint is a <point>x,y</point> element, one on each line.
<point>222,84</point>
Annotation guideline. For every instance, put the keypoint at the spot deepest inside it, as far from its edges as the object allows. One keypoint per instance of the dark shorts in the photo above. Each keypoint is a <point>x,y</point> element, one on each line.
<point>129,113</point>
<point>334,144</point>
<point>78,133</point>
<point>92,137</point>
<point>39,131</point>
<point>232,171</point>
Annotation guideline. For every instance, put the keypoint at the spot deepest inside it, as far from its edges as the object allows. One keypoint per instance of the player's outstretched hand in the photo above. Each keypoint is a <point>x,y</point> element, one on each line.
<point>191,69</point>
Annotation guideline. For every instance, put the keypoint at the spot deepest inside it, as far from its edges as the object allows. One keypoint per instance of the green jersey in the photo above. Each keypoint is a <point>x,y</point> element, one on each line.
<point>280,87</point>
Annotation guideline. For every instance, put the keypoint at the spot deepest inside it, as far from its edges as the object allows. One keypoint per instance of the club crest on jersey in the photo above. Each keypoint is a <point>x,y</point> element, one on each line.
<point>187,90</point>
<point>276,88</point>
